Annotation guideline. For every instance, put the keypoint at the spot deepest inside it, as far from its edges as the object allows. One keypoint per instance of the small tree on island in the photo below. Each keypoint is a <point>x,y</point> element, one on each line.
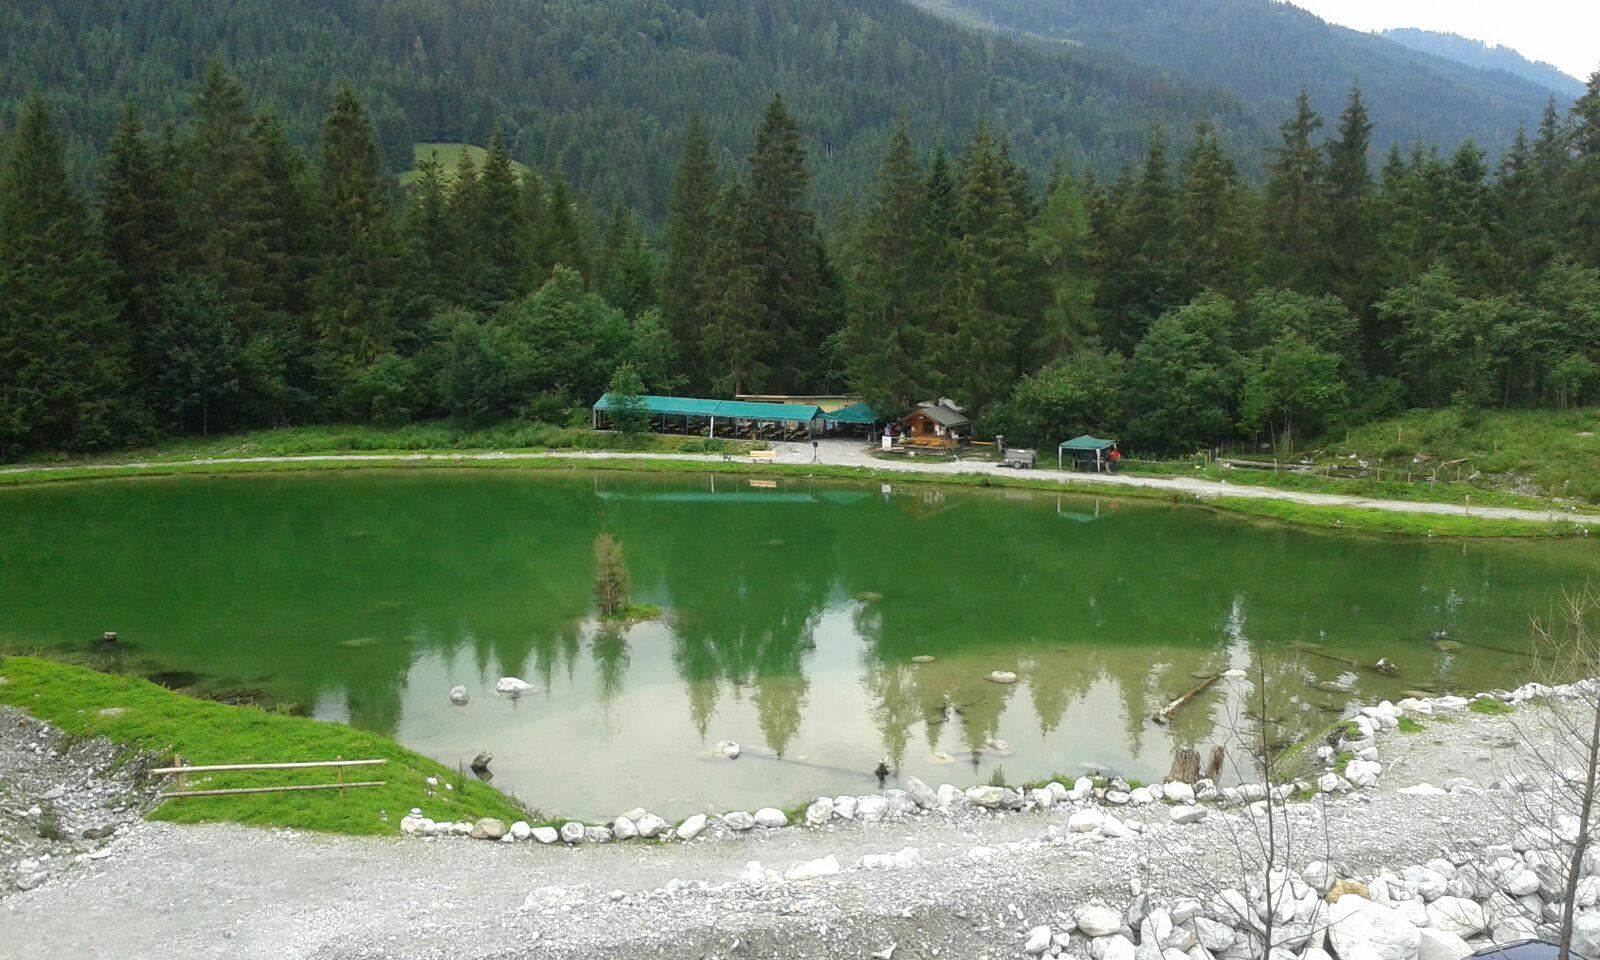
<point>627,410</point>
<point>611,586</point>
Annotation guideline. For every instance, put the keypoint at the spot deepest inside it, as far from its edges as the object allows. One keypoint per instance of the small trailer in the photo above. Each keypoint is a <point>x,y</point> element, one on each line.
<point>1019,458</point>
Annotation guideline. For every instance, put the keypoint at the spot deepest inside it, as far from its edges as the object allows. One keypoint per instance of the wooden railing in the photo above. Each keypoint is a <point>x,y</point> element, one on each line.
<point>180,770</point>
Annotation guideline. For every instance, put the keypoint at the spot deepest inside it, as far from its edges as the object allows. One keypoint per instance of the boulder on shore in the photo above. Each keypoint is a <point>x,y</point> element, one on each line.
<point>1363,930</point>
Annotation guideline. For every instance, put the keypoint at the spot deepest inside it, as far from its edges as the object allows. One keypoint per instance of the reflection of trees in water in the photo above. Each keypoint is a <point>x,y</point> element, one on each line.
<point>609,646</point>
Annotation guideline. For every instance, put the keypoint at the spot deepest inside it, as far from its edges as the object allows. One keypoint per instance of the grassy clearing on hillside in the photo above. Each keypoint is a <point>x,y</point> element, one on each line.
<point>161,723</point>
<point>450,155</point>
<point>1545,451</point>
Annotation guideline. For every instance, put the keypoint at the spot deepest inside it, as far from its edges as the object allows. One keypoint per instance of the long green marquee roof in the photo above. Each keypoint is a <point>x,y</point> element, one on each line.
<point>731,409</point>
<point>855,413</point>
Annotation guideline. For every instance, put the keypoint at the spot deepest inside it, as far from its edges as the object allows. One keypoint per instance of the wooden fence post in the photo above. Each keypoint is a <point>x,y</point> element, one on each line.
<point>341,776</point>
<point>177,761</point>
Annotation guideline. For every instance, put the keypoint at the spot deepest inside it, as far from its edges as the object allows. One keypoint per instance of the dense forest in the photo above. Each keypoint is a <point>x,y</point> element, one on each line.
<point>222,278</point>
<point>1476,53</point>
<point>1266,51</point>
<point>600,90</point>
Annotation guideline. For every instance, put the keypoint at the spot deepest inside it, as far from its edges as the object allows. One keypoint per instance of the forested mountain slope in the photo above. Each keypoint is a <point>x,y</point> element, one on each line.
<point>1266,51</point>
<point>601,89</point>
<point>1476,53</point>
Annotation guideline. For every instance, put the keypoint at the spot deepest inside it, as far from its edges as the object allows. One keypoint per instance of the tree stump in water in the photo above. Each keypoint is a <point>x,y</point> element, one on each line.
<point>1185,766</point>
<point>1214,768</point>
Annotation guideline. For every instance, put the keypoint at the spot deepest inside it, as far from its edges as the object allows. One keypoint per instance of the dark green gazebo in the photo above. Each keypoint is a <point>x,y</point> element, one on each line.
<point>1082,448</point>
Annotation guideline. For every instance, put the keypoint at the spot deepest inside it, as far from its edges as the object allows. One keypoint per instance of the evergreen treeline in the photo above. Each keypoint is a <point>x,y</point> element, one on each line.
<point>221,279</point>
<point>597,90</point>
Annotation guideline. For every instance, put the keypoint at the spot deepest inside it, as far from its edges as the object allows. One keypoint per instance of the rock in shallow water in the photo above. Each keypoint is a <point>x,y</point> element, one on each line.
<point>459,695</point>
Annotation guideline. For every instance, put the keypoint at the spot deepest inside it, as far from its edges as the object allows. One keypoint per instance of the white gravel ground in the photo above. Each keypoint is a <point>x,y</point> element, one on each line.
<point>220,891</point>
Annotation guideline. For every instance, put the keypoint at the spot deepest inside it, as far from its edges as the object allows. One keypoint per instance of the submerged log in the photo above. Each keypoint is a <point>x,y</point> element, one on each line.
<point>1214,768</point>
<point>1163,715</point>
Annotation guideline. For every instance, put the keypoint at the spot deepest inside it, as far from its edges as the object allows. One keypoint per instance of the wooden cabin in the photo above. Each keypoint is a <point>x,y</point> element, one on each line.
<point>940,424</point>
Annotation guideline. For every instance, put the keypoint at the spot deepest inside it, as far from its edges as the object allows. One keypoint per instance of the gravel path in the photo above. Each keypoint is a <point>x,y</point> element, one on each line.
<point>854,454</point>
<point>224,891</point>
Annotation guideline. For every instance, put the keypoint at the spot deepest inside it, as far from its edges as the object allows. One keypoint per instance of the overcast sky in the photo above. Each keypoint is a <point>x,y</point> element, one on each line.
<point>1563,32</point>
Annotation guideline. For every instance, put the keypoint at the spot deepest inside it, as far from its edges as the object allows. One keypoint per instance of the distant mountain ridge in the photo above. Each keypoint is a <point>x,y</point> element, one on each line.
<point>1476,53</point>
<point>1265,51</point>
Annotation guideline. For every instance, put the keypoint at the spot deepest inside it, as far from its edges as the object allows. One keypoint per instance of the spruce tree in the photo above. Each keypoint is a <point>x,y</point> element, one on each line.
<point>1295,217</point>
<point>734,329</point>
<point>564,242</point>
<point>886,350</point>
<point>1143,276</point>
<point>221,190</point>
<point>466,217</point>
<point>501,275</point>
<point>1348,179</point>
<point>690,214</point>
<point>1582,179</point>
<point>431,239</point>
<point>139,223</point>
<point>1211,223</point>
<point>63,351</point>
<point>354,292</point>
<point>1062,242</point>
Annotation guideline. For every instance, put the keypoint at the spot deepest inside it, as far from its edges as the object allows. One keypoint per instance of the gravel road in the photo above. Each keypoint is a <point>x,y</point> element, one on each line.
<point>855,454</point>
<point>224,891</point>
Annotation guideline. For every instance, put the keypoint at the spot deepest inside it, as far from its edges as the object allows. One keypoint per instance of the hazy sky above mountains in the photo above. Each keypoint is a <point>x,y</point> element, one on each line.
<point>1563,32</point>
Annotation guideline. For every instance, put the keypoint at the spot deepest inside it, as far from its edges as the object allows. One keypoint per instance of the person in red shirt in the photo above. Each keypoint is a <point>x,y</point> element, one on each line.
<point>1115,456</point>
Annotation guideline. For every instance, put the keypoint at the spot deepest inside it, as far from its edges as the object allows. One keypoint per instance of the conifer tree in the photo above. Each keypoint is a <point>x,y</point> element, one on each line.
<point>221,189</point>
<point>886,349</point>
<point>1295,217</point>
<point>690,214</point>
<point>139,222</point>
<point>1348,197</point>
<point>563,240</point>
<point>1062,243</point>
<point>355,313</point>
<point>1582,179</point>
<point>1211,223</point>
<point>501,272</point>
<point>431,236</point>
<point>1142,273</point>
<point>734,331</point>
<point>63,352</point>
<point>466,224</point>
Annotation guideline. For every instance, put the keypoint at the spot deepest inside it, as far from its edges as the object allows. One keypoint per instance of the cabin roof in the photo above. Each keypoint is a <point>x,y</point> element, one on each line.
<point>942,415</point>
<point>732,409</point>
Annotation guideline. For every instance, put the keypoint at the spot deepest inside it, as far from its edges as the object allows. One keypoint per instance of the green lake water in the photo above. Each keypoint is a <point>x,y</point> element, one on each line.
<point>793,614</point>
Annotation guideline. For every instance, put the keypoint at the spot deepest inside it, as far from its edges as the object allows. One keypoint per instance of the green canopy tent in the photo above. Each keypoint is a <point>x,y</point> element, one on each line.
<point>1082,448</point>
<point>857,418</point>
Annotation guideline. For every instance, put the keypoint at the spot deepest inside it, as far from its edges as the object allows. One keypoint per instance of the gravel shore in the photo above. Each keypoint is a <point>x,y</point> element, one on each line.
<point>974,887</point>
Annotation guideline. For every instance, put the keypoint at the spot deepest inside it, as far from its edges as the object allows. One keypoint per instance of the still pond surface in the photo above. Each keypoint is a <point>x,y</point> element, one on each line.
<point>796,614</point>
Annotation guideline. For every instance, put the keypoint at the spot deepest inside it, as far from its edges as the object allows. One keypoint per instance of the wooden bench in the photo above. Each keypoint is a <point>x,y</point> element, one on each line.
<point>763,456</point>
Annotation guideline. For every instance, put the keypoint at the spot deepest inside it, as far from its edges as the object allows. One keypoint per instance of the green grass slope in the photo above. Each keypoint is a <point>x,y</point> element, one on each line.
<point>153,720</point>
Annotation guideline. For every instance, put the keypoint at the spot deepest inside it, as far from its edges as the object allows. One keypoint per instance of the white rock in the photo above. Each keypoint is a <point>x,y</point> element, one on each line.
<point>1435,944</point>
<point>982,854</point>
<point>820,811</point>
<point>1120,948</point>
<point>512,686</point>
<point>986,796</point>
<point>1422,790</point>
<point>1319,875</point>
<point>1038,941</point>
<point>752,872</point>
<point>521,831</point>
<point>1520,883</point>
<point>812,869</point>
<point>1178,792</point>
<point>1085,821</point>
<point>597,834</point>
<point>1114,828</point>
<point>1425,883</point>
<point>692,827</point>
<point>1362,930</point>
<point>1081,789</point>
<point>772,818</point>
<point>1188,814</point>
<point>1586,935</point>
<point>1002,676</point>
<point>921,794</point>
<point>1464,918</point>
<point>1096,921</point>
<point>624,829</point>
<point>1116,797</point>
<point>1363,773</point>
<point>871,808</point>
<point>650,825</point>
<point>738,820</point>
<point>572,832</point>
<point>728,749</point>
<point>1140,795</point>
<point>459,695</point>
<point>546,834</point>
<point>1588,892</point>
<point>1213,936</point>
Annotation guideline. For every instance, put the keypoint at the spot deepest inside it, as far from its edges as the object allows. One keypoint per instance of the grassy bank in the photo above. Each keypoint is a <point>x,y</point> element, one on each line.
<point>153,720</point>
<point>1347,519</point>
<point>441,436</point>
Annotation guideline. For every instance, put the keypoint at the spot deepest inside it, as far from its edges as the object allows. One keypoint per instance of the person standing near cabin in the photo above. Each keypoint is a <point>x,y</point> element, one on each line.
<point>1114,456</point>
